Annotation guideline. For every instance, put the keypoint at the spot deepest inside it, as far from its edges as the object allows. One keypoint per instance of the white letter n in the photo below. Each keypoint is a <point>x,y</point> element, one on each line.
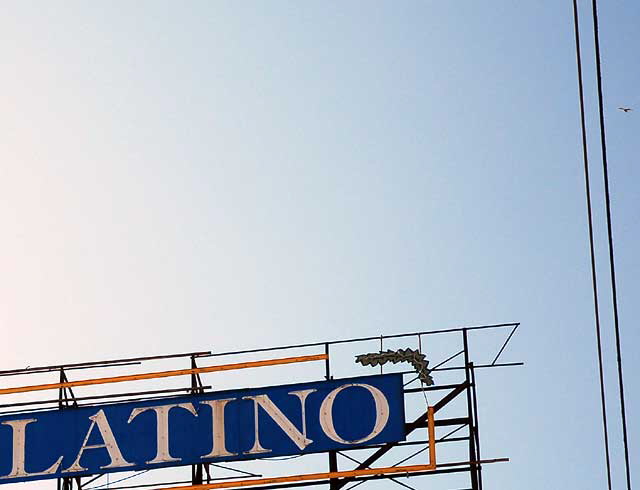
<point>299,438</point>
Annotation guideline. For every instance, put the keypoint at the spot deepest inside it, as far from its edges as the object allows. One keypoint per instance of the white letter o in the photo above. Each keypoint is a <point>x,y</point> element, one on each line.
<point>326,413</point>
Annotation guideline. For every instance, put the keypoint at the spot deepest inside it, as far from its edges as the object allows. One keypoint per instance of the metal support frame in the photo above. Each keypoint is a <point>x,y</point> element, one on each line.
<point>66,400</point>
<point>335,478</point>
<point>197,387</point>
<point>473,454</point>
<point>333,455</point>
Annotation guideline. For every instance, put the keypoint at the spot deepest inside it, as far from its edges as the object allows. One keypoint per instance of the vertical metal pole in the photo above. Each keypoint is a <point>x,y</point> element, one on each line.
<point>475,421</point>
<point>196,469</point>
<point>64,483</point>
<point>380,353</point>
<point>61,390</point>
<point>327,366</point>
<point>472,445</point>
<point>59,480</point>
<point>333,455</point>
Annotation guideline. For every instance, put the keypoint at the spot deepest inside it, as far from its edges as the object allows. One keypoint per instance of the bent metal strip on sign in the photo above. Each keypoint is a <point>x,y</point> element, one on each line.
<point>224,426</point>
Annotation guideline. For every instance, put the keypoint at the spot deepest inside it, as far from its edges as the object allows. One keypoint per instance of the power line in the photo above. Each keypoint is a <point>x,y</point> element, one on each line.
<point>605,170</point>
<point>594,282</point>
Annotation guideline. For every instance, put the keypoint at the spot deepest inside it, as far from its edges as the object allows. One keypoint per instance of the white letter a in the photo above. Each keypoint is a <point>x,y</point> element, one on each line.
<point>110,444</point>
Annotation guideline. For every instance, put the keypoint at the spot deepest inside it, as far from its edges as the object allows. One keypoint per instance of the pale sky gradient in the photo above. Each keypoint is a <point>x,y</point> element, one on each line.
<point>226,175</point>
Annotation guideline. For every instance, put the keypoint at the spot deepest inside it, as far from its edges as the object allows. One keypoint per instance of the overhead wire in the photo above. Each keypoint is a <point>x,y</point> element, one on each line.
<point>605,171</point>
<point>610,240</point>
<point>594,281</point>
<point>106,485</point>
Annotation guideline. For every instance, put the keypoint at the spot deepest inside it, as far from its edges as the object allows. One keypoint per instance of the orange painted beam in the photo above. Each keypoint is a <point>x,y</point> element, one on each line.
<point>402,470</point>
<point>308,477</point>
<point>391,470</point>
<point>431,429</point>
<point>164,374</point>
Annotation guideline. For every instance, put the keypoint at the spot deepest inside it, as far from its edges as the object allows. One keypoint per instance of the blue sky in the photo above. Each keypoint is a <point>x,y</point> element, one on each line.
<point>225,175</point>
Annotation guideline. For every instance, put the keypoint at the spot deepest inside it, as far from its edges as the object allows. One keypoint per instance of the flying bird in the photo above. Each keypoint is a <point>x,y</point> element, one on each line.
<point>625,109</point>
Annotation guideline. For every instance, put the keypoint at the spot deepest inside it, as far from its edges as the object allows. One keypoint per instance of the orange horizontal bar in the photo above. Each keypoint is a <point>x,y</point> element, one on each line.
<point>164,374</point>
<point>308,477</point>
<point>335,474</point>
<point>332,474</point>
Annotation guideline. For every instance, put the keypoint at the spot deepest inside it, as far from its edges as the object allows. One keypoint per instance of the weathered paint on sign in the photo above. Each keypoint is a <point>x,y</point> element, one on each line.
<point>222,426</point>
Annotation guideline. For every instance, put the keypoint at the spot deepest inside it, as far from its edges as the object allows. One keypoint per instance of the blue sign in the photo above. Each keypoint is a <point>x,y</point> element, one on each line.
<point>221,426</point>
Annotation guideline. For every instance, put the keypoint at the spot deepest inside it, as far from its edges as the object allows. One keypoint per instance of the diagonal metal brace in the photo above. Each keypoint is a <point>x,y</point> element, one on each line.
<point>417,423</point>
